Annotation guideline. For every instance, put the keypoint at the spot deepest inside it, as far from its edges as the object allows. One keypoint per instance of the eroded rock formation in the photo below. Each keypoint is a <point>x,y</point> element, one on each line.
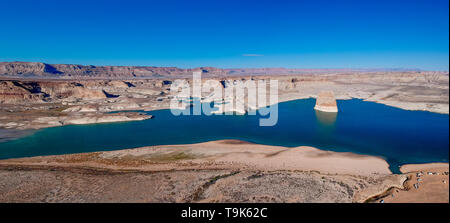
<point>43,91</point>
<point>65,71</point>
<point>326,102</point>
<point>24,100</point>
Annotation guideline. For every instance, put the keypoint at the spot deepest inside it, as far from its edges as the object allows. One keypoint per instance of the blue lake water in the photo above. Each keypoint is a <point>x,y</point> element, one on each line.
<point>398,136</point>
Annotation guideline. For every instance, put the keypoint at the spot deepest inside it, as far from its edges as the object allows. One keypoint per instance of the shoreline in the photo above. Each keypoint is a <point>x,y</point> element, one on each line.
<point>284,158</point>
<point>147,116</point>
<point>407,107</point>
<point>236,141</point>
<point>235,146</point>
<point>125,118</point>
<point>404,168</point>
<point>233,158</point>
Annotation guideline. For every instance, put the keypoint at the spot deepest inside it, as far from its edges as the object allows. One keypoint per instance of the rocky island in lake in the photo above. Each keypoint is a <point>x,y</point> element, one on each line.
<point>326,102</point>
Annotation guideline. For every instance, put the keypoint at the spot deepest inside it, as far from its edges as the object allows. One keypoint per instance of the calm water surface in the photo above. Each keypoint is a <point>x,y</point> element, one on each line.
<point>398,136</point>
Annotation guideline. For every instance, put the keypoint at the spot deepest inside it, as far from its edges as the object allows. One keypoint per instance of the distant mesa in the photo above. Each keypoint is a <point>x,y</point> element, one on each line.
<point>326,102</point>
<point>75,71</point>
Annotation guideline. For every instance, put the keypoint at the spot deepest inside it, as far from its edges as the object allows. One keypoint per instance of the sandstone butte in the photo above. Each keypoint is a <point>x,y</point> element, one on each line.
<point>326,102</point>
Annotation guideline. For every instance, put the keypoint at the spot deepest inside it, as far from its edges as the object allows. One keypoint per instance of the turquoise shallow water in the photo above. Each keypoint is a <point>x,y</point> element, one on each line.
<point>398,136</point>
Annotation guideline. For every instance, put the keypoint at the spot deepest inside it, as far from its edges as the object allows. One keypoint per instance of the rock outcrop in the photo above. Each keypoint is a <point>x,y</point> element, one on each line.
<point>13,92</point>
<point>326,102</point>
<point>45,91</point>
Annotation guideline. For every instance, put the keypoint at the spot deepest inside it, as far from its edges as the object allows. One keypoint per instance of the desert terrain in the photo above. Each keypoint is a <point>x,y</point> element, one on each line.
<point>219,171</point>
<point>38,95</point>
<point>427,183</point>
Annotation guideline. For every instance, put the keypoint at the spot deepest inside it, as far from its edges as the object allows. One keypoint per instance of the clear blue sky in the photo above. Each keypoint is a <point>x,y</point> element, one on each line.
<point>228,33</point>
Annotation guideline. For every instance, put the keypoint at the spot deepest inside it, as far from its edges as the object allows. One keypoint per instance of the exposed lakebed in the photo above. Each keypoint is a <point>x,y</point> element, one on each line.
<point>396,135</point>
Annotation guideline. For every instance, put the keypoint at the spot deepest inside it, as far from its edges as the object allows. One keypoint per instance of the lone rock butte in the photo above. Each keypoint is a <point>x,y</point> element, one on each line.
<point>326,102</point>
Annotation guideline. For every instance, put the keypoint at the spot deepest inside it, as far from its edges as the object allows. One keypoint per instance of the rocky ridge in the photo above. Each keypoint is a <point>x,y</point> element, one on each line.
<point>74,71</point>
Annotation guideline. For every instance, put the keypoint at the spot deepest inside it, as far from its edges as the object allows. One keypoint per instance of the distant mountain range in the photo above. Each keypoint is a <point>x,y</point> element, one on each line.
<point>68,71</point>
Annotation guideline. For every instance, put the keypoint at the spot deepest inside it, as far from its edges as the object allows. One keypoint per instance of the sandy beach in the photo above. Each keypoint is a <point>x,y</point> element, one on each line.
<point>237,153</point>
<point>219,169</point>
